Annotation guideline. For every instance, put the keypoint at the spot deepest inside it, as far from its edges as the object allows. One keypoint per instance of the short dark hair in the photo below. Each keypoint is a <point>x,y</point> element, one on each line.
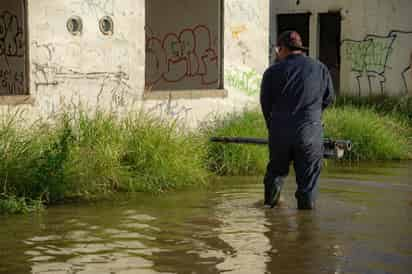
<point>291,39</point>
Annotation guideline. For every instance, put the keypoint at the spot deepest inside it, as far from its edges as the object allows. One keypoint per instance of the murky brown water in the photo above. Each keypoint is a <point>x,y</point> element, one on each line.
<point>363,224</point>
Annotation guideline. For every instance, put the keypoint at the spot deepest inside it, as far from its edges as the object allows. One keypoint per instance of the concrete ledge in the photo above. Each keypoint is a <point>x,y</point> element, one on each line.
<point>184,94</point>
<point>14,100</point>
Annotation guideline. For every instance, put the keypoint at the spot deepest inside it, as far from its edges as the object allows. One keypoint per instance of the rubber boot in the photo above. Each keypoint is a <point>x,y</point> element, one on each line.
<point>306,204</point>
<point>272,193</point>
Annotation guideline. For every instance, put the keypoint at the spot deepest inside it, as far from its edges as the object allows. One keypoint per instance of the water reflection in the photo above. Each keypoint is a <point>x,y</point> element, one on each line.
<point>243,228</point>
<point>297,245</point>
<point>87,248</point>
<point>359,227</point>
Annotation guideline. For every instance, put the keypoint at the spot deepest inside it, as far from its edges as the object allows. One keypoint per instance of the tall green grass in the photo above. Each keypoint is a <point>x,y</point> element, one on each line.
<point>398,106</point>
<point>78,154</point>
<point>83,155</point>
<point>375,136</point>
<point>236,159</point>
<point>158,156</point>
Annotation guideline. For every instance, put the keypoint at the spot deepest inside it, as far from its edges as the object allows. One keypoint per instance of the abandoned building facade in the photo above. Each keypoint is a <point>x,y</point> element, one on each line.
<point>191,57</point>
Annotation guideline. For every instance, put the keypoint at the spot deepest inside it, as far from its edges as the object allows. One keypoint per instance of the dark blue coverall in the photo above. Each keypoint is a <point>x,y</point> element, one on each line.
<point>294,93</point>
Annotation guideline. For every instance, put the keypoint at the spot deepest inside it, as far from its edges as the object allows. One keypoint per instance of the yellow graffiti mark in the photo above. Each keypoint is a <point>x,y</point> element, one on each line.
<point>237,30</point>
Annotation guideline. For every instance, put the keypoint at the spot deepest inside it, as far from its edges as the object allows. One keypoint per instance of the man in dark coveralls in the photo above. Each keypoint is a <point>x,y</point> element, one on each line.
<point>294,93</point>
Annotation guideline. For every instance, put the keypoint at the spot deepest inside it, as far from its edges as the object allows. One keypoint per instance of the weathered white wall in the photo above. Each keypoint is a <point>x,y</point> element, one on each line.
<point>91,68</point>
<point>245,57</point>
<point>95,70</point>
<point>376,42</point>
<point>12,48</point>
<point>246,44</point>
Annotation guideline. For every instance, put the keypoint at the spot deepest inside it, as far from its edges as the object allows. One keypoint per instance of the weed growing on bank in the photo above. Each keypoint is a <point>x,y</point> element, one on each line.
<point>14,205</point>
<point>81,155</point>
<point>236,159</point>
<point>398,106</point>
<point>158,156</point>
<point>375,137</point>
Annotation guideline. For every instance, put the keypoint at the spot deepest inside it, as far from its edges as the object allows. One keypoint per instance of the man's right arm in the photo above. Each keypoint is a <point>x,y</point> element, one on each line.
<point>266,97</point>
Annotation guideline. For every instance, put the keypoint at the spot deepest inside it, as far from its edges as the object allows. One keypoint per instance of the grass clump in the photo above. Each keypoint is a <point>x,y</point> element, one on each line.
<point>83,155</point>
<point>388,105</point>
<point>375,136</point>
<point>14,205</point>
<point>158,156</point>
<point>236,159</point>
<point>93,167</point>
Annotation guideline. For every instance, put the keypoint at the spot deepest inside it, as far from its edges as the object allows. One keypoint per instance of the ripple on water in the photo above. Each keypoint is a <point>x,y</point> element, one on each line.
<point>356,225</point>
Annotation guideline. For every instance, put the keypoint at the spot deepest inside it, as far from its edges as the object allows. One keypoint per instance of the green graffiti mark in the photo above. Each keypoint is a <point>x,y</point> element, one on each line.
<point>369,55</point>
<point>246,81</point>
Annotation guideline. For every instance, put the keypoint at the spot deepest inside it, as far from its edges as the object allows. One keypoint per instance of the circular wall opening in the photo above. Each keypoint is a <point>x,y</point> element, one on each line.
<point>106,25</point>
<point>74,25</point>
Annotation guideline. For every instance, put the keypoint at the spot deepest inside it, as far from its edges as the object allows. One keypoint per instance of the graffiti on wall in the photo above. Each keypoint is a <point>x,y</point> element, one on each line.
<point>237,30</point>
<point>12,61</point>
<point>169,109</point>
<point>48,71</point>
<point>247,81</point>
<point>407,75</point>
<point>372,59</point>
<point>179,56</point>
<point>97,7</point>
<point>245,11</point>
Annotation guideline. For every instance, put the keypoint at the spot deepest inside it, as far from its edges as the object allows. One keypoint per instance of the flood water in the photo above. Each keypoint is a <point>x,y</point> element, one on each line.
<point>362,224</point>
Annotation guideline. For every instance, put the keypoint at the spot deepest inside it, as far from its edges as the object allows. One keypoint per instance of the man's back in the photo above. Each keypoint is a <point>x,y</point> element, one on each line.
<point>296,89</point>
<point>294,93</point>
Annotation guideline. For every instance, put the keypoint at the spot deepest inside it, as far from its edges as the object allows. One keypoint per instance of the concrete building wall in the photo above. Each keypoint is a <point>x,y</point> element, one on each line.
<point>235,38</point>
<point>376,42</point>
<point>110,71</point>
<point>246,44</point>
<point>89,67</point>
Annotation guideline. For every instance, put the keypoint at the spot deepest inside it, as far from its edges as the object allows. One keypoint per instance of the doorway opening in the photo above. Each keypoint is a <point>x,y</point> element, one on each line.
<point>298,22</point>
<point>329,44</point>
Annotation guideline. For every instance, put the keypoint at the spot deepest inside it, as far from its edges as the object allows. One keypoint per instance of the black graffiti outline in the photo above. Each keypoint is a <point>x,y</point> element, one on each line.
<point>405,81</point>
<point>171,109</point>
<point>19,32</point>
<point>393,35</point>
<point>60,74</point>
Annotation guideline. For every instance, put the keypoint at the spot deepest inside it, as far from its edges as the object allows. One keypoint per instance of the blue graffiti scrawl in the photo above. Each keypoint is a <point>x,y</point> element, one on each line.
<point>370,60</point>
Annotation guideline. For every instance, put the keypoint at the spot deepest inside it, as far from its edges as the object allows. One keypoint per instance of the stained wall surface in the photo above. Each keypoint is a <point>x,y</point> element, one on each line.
<point>376,42</point>
<point>198,47</point>
<point>88,67</point>
<point>201,47</point>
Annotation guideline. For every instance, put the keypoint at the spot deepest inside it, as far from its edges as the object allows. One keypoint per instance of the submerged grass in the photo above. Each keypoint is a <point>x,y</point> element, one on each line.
<point>14,205</point>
